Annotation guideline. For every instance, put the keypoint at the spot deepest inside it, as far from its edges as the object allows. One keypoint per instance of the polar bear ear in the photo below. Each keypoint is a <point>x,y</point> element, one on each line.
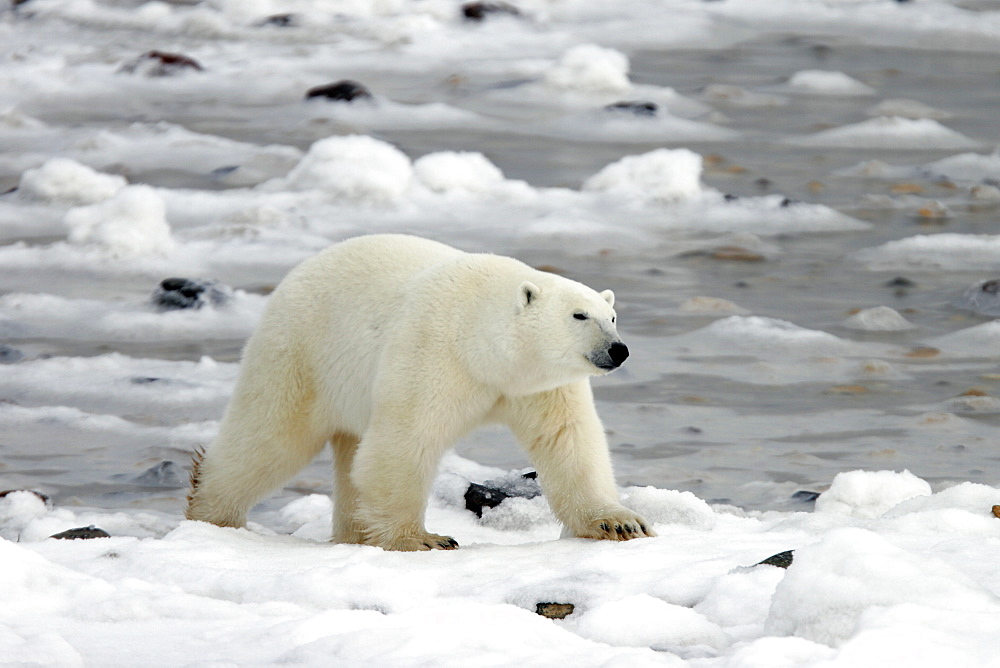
<point>527,292</point>
<point>609,297</point>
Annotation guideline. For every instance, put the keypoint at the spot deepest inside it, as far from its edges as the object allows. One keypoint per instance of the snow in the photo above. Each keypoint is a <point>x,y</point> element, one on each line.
<point>823,82</point>
<point>890,132</point>
<point>871,568</point>
<point>794,201</point>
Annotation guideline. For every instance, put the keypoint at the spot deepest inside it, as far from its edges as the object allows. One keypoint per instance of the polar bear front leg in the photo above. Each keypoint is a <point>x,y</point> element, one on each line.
<point>564,437</point>
<point>392,472</point>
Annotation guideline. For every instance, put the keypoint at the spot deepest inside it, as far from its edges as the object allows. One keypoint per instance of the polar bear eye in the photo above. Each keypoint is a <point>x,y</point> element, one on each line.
<point>580,316</point>
<point>612,319</point>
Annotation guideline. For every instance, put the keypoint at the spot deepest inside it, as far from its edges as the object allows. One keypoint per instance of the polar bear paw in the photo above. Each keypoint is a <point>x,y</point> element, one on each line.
<point>616,524</point>
<point>419,543</point>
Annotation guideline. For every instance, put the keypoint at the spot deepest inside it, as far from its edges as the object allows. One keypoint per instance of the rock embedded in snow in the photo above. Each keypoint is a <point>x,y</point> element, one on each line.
<point>642,109</point>
<point>781,559</point>
<point>982,297</point>
<point>479,11</point>
<point>555,610</point>
<point>161,64</point>
<point>345,90</point>
<point>81,533</point>
<point>492,493</point>
<point>185,293</point>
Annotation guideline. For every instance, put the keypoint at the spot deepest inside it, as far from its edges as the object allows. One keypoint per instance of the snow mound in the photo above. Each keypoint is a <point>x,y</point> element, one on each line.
<point>663,175</point>
<point>854,582</point>
<point>878,319</point>
<point>590,68</point>
<point>823,82</point>
<point>131,223</point>
<point>950,251</point>
<point>667,506</point>
<point>768,338</point>
<point>644,621</point>
<point>869,494</point>
<point>889,132</point>
<point>65,181</point>
<point>357,168</point>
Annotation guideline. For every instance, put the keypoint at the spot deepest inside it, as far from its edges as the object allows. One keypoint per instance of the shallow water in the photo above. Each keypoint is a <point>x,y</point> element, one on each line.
<point>744,426</point>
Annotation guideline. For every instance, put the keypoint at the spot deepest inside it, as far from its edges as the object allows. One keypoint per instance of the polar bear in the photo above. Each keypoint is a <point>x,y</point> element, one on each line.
<point>390,348</point>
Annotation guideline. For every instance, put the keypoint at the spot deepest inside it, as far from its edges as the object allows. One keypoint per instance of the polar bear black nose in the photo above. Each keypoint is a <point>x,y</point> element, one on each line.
<point>618,352</point>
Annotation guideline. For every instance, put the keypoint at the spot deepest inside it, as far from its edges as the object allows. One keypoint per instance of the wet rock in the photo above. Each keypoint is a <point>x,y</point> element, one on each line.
<point>163,474</point>
<point>161,64</point>
<point>982,297</point>
<point>81,533</point>
<point>805,496</point>
<point>187,293</point>
<point>900,282</point>
<point>345,90</point>
<point>10,355</point>
<point>781,560</point>
<point>555,610</point>
<point>43,497</point>
<point>479,11</point>
<point>491,493</point>
<point>280,21</point>
<point>636,108</point>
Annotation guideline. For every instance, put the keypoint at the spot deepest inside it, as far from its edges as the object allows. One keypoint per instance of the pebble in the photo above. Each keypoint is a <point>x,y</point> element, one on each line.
<point>636,108</point>
<point>345,90</point>
<point>555,610</point>
<point>781,560</point>
<point>479,11</point>
<point>187,293</point>
<point>81,533</point>
<point>161,64</point>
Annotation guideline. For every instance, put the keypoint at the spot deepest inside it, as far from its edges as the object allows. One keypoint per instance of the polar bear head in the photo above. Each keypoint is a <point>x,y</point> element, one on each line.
<point>568,330</point>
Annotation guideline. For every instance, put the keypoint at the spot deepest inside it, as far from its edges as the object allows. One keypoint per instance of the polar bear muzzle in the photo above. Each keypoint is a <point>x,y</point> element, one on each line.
<point>612,358</point>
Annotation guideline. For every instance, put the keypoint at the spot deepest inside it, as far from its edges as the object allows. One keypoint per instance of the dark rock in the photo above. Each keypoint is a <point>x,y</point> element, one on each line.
<point>280,21</point>
<point>163,474</point>
<point>43,497</point>
<point>143,380</point>
<point>555,610</point>
<point>478,11</point>
<point>82,533</point>
<point>787,202</point>
<point>9,355</point>
<point>161,64</point>
<point>805,496</point>
<point>781,560</point>
<point>340,91</point>
<point>479,496</point>
<point>982,298</point>
<point>636,108</point>
<point>729,197</point>
<point>899,282</point>
<point>181,293</point>
<point>491,493</point>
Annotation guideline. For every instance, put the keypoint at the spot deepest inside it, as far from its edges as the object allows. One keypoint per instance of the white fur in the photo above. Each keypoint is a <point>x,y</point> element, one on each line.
<point>390,348</point>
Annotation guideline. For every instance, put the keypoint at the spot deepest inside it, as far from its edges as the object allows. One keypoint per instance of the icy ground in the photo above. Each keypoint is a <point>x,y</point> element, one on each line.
<point>795,202</point>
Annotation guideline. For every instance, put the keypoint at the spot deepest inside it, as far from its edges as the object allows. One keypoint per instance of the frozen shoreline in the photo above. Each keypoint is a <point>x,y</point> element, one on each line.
<point>794,201</point>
